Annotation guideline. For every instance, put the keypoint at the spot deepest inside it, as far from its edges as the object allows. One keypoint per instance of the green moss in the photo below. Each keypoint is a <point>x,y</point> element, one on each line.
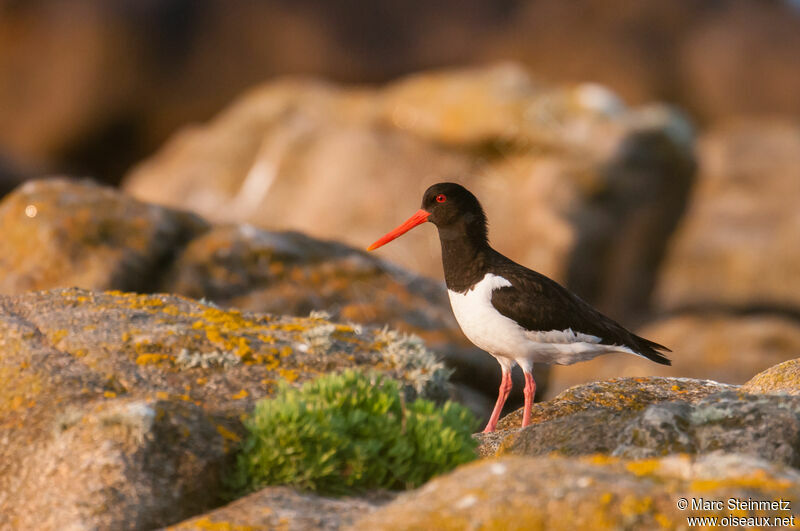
<point>348,432</point>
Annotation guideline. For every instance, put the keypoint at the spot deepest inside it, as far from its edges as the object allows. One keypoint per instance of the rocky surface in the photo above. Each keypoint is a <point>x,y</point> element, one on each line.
<point>653,417</point>
<point>587,418</point>
<point>783,378</point>
<point>61,233</point>
<point>284,508</point>
<point>595,492</point>
<point>597,185</point>
<point>767,427</point>
<point>121,410</point>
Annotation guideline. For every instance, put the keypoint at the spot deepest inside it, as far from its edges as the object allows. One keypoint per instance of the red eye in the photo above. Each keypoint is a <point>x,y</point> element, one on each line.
<point>441,198</point>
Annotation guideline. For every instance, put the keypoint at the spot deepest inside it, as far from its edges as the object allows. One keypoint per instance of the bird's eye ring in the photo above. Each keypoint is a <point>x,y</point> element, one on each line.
<point>441,198</point>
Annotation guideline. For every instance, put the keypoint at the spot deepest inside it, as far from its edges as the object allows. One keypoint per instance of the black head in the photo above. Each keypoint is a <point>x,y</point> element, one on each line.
<point>454,210</point>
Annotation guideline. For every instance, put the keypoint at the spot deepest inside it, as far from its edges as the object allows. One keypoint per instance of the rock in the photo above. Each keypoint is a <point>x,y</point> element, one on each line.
<point>620,395</point>
<point>783,378</point>
<point>283,508</point>
<point>653,417</point>
<point>290,273</point>
<point>293,274</point>
<point>598,186</point>
<point>767,427</point>
<point>118,410</point>
<point>587,493</point>
<point>60,233</point>
<point>737,246</point>
<point>722,346</point>
<point>588,418</point>
<point>113,464</point>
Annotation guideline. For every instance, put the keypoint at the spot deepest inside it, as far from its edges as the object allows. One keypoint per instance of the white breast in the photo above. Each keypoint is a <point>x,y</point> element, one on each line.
<point>503,338</point>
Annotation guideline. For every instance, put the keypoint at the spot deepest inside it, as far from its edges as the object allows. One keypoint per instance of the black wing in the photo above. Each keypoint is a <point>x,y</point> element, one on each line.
<point>538,303</point>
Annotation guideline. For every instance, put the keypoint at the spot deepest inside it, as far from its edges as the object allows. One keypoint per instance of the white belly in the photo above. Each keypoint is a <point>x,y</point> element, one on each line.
<point>503,338</point>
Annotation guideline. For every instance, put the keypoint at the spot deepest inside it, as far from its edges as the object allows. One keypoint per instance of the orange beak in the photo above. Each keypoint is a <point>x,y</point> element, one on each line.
<point>420,217</point>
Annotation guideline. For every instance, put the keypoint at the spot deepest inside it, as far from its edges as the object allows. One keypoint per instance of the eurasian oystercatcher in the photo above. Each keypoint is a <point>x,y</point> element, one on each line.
<point>515,314</point>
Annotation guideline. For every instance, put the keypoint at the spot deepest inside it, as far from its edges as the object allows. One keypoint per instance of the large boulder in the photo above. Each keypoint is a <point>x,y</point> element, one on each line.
<point>651,417</point>
<point>783,378</point>
<point>590,493</point>
<point>61,233</point>
<point>588,418</point>
<point>737,245</point>
<point>120,410</point>
<point>284,508</point>
<point>598,186</point>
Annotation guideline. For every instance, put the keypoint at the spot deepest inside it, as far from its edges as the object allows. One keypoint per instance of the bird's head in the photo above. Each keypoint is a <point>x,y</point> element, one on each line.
<point>452,208</point>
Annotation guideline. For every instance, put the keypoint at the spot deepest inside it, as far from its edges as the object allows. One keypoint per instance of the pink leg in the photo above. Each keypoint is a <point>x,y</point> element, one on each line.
<point>502,396</point>
<point>529,392</point>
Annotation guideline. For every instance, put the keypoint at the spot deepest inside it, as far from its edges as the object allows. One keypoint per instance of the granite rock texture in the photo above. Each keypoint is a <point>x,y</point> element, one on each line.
<point>121,410</point>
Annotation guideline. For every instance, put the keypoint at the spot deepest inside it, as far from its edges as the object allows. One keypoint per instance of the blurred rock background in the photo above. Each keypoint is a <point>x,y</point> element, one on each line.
<point>646,154</point>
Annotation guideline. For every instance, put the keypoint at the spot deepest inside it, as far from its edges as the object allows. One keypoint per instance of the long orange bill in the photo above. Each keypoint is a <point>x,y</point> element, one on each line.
<point>420,217</point>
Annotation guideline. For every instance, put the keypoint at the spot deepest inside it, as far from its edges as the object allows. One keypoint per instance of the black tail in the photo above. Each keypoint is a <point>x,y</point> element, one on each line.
<point>650,350</point>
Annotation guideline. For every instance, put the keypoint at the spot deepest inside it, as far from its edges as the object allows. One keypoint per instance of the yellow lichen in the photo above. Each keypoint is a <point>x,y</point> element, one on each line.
<point>644,467</point>
<point>634,506</point>
<point>289,375</point>
<point>663,521</point>
<point>227,434</point>
<point>759,480</point>
<point>149,359</point>
<point>602,459</point>
<point>205,523</point>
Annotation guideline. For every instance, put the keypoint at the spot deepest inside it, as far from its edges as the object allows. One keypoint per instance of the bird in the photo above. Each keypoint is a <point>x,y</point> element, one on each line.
<point>517,315</point>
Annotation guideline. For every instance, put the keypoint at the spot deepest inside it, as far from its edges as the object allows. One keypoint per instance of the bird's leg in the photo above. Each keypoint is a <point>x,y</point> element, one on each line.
<point>502,396</point>
<point>529,392</point>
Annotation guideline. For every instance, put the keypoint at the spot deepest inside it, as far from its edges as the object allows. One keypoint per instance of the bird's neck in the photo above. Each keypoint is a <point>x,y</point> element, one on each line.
<point>465,256</point>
